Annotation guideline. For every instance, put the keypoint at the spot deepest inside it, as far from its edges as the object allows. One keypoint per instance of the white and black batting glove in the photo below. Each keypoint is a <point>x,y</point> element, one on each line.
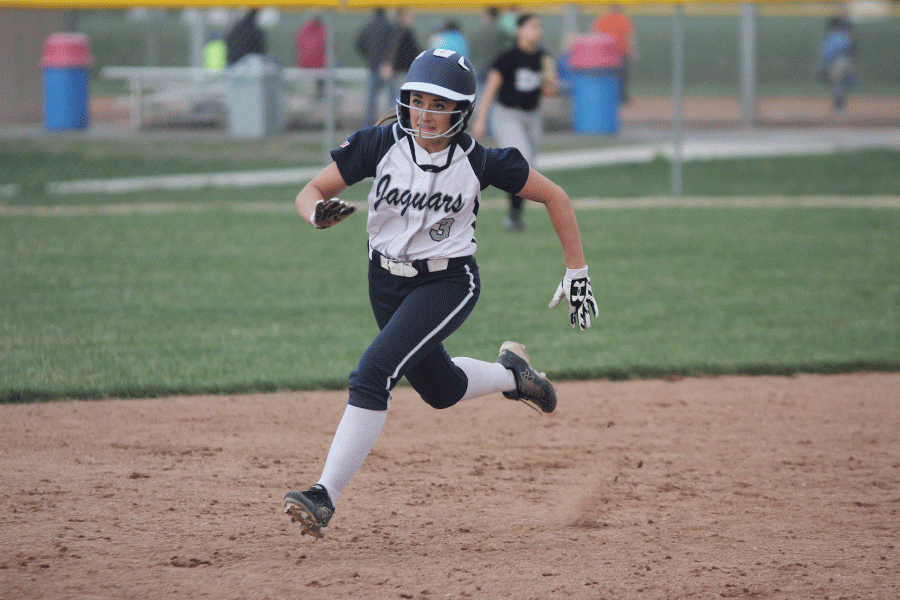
<point>576,288</point>
<point>331,212</point>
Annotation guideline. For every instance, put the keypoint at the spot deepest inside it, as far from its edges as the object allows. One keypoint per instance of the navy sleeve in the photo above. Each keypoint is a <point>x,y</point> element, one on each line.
<point>504,168</point>
<point>358,157</point>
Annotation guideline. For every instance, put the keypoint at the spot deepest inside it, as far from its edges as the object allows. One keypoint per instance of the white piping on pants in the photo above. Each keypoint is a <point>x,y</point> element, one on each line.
<point>433,332</point>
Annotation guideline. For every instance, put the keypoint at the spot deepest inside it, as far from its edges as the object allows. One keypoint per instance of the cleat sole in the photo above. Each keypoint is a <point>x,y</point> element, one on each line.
<point>308,523</point>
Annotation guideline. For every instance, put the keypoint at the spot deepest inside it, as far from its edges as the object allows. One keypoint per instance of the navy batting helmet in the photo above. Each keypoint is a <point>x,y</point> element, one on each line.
<point>443,73</point>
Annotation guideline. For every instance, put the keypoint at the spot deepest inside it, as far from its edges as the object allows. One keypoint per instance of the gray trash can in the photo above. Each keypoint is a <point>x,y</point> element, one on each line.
<point>254,97</point>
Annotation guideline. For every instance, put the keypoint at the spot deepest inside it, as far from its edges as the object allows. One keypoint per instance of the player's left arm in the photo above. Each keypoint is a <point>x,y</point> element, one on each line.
<point>540,189</point>
<point>575,286</point>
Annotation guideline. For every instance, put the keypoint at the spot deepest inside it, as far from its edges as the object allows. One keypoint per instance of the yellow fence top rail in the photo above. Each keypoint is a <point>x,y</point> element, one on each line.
<point>126,4</point>
<point>348,4</point>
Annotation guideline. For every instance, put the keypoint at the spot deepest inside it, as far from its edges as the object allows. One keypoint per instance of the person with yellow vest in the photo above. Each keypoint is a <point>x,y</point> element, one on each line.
<point>215,54</point>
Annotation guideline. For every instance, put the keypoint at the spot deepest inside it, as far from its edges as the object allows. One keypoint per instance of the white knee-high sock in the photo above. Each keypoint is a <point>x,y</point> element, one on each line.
<point>353,440</point>
<point>485,377</point>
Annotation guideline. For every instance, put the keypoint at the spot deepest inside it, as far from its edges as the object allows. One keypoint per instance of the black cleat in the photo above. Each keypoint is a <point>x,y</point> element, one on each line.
<point>532,388</point>
<point>312,509</point>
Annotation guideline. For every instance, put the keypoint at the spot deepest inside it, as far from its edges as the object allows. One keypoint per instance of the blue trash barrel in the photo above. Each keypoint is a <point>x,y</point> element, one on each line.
<point>596,101</point>
<point>66,60</point>
<point>596,84</point>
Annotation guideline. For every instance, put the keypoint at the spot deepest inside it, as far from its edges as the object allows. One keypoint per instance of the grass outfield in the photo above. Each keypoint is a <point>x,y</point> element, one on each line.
<point>98,305</point>
<point>30,164</point>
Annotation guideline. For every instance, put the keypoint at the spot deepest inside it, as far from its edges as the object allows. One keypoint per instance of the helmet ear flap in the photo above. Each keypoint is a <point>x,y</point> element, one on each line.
<point>466,115</point>
<point>403,109</point>
<point>461,121</point>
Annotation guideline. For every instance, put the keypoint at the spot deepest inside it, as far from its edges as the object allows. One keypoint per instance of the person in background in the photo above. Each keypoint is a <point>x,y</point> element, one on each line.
<point>215,53</point>
<point>310,45</point>
<point>507,20</point>
<point>843,21</point>
<point>517,80</point>
<point>838,49</point>
<point>437,32</point>
<point>452,39</point>
<point>245,38</point>
<point>486,44</point>
<point>404,47</point>
<point>617,24</point>
<point>372,43</point>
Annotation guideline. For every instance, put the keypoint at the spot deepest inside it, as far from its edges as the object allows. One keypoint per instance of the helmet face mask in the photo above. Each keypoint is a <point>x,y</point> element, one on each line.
<point>458,120</point>
<point>445,74</point>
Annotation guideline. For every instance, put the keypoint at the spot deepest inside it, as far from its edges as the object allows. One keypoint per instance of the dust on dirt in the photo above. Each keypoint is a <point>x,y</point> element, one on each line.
<point>742,487</point>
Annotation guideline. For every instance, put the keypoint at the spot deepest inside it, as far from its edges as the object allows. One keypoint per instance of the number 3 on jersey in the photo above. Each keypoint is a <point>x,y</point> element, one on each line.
<point>441,231</point>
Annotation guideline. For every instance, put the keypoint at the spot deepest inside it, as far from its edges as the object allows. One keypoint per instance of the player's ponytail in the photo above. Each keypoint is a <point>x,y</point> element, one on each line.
<point>388,117</point>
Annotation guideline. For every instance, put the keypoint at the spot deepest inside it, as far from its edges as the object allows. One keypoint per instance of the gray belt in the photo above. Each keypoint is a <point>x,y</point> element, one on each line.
<point>408,268</point>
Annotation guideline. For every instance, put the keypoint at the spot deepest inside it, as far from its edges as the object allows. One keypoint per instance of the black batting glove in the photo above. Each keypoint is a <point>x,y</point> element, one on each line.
<point>331,212</point>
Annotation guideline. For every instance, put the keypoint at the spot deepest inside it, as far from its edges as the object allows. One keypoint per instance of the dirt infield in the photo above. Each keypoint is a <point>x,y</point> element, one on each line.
<point>870,111</point>
<point>763,487</point>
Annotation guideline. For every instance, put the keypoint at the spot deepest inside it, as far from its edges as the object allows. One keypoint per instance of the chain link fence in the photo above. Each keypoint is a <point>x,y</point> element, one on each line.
<point>788,42</point>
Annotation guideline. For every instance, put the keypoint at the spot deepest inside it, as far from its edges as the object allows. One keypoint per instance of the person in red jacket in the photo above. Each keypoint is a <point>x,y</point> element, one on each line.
<point>310,43</point>
<point>617,24</point>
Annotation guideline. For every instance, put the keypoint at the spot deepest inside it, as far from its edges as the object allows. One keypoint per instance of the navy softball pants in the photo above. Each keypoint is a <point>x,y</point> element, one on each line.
<point>415,315</point>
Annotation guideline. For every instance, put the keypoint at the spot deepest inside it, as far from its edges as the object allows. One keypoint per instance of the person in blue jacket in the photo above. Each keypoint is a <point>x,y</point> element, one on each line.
<point>838,48</point>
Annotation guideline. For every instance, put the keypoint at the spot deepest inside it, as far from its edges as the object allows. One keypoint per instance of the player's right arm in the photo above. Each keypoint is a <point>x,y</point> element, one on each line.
<point>549,76</point>
<point>318,193</point>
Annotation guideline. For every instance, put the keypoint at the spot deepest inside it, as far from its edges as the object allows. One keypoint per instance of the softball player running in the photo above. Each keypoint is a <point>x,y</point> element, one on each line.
<point>423,279</point>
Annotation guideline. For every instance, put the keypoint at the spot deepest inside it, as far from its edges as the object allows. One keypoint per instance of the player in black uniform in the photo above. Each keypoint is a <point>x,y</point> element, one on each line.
<point>423,278</point>
<point>518,78</point>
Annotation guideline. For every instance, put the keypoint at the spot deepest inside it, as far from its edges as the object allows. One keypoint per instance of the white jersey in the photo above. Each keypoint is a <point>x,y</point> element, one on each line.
<point>417,208</point>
